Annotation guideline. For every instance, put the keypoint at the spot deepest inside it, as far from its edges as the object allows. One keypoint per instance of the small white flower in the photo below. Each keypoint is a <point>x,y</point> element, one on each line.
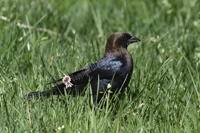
<point>63,126</point>
<point>109,86</point>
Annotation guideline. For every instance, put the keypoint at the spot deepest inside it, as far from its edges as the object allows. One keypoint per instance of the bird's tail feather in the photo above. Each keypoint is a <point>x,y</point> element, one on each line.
<point>59,89</point>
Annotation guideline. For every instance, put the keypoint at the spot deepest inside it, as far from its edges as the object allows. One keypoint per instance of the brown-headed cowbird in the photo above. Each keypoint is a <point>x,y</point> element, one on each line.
<point>112,72</point>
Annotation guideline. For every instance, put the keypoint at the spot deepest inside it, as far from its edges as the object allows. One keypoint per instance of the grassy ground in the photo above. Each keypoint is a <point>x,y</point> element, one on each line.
<point>164,91</point>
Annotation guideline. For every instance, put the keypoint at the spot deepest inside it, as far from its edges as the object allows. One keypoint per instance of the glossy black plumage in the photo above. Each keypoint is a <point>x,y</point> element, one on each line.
<point>116,66</point>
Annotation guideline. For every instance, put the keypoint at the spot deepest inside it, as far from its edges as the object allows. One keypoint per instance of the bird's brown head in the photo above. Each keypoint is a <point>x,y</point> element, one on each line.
<point>118,43</point>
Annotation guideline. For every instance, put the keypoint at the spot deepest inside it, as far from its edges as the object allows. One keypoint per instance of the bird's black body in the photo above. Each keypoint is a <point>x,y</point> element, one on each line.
<point>113,70</point>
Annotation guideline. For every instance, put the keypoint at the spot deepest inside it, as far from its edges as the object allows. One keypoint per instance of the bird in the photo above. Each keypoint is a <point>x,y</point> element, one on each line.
<point>111,73</point>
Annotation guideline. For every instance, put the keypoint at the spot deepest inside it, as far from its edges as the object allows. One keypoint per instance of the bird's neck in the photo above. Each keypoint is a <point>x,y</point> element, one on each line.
<point>115,52</point>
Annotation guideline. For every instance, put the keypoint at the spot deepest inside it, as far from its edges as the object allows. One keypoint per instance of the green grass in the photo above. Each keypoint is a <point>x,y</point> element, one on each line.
<point>163,94</point>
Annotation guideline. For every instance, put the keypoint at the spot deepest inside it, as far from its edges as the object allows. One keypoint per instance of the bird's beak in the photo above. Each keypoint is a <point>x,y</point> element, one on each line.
<point>133,39</point>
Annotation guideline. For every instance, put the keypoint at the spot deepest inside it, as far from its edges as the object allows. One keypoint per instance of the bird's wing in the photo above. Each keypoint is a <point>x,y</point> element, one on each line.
<point>105,68</point>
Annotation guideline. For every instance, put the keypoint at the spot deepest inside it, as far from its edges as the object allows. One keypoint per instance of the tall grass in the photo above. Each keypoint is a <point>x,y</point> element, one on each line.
<point>163,94</point>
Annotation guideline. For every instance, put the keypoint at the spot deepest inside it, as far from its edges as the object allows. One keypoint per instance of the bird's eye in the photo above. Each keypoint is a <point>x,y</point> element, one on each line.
<point>124,37</point>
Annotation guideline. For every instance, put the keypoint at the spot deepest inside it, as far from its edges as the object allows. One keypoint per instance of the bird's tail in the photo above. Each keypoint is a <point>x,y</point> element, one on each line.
<point>57,90</point>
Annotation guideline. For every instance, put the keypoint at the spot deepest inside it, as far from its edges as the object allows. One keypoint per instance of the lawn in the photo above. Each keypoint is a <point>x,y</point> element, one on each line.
<point>163,94</point>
